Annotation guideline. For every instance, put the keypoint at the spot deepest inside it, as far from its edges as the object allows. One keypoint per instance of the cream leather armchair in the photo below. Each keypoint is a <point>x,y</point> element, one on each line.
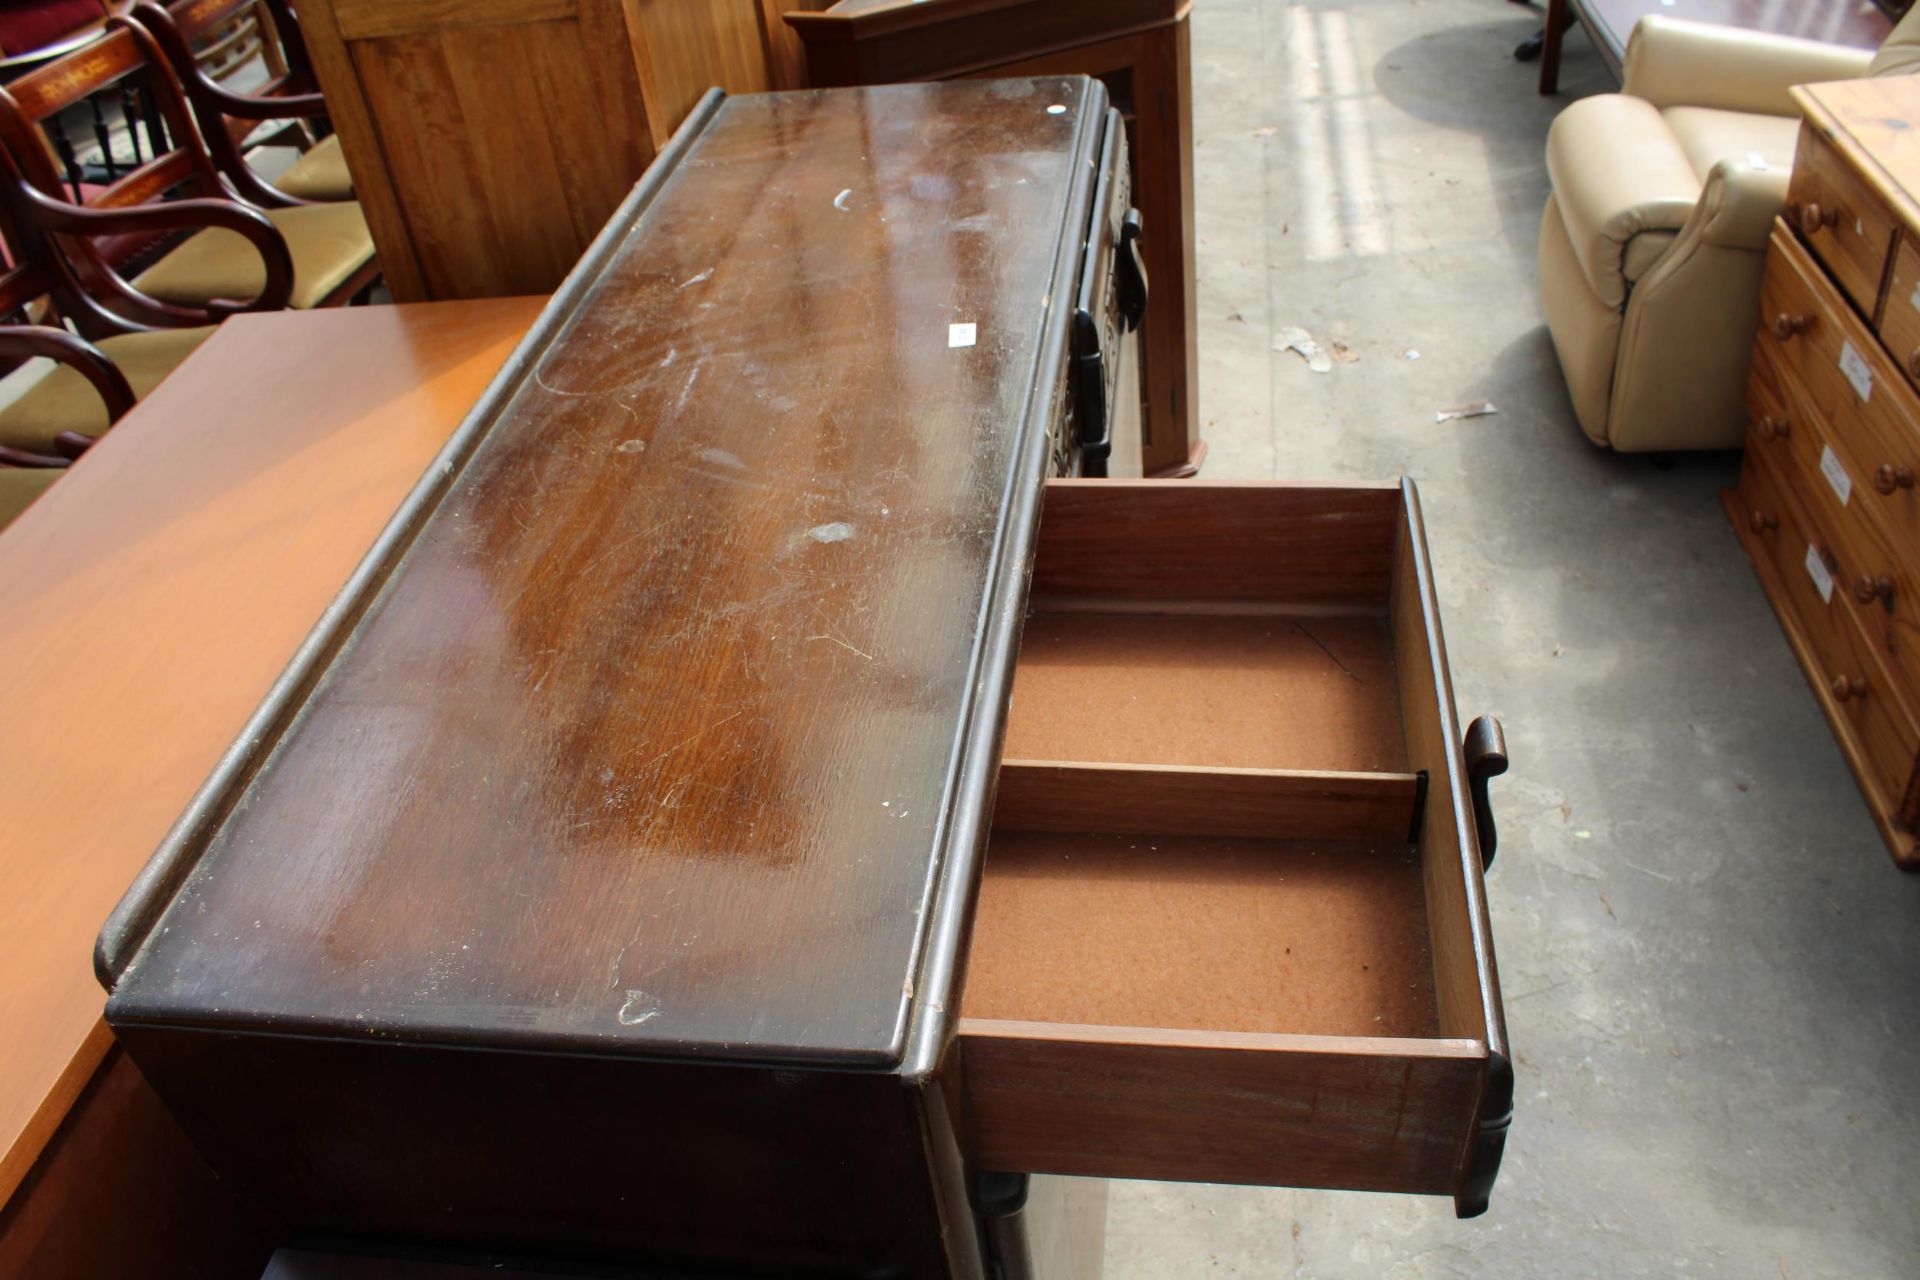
<point>1653,241</point>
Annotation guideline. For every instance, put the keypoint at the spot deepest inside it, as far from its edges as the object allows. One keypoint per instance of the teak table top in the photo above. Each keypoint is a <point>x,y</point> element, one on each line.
<point>649,742</point>
<point>152,596</point>
<point>1875,122</point>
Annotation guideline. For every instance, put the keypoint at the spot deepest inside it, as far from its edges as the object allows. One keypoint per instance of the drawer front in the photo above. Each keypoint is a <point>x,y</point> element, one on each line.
<point>1834,358</point>
<point>1900,314</point>
<point>1849,681</point>
<point>1842,219</point>
<point>1884,585</point>
<point>1232,924</point>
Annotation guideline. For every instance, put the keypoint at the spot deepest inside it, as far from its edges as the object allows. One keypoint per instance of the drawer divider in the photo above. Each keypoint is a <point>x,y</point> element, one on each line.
<point>1130,799</point>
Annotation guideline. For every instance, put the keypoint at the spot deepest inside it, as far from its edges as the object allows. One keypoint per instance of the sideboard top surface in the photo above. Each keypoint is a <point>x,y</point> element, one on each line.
<point>649,744</point>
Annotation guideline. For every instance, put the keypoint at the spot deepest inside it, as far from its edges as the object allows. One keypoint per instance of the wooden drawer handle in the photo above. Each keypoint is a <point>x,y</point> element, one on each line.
<point>1867,589</point>
<point>1813,217</point>
<point>1848,687</point>
<point>1889,478</point>
<point>1913,362</point>
<point>1785,326</point>
<point>1760,522</point>
<point>1772,428</point>
<point>1486,752</point>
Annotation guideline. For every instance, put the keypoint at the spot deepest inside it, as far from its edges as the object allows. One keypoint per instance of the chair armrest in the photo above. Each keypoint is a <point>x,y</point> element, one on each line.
<point>1740,202</point>
<point>179,215</point>
<point>1672,62</point>
<point>1618,172</point>
<point>25,341</point>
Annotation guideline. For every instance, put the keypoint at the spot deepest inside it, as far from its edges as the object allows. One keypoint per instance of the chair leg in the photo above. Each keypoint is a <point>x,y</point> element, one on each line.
<point>1559,18</point>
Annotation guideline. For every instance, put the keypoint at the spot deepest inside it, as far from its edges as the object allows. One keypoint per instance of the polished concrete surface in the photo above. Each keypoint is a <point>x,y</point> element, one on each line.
<point>1712,969</point>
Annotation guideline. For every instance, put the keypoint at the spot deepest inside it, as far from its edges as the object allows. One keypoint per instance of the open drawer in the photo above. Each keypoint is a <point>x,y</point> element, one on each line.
<point>1232,925</point>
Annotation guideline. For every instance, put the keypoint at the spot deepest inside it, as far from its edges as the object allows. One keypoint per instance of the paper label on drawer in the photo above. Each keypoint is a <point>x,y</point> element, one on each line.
<point>1836,473</point>
<point>1913,299</point>
<point>962,335</point>
<point>1857,371</point>
<point>1817,570</point>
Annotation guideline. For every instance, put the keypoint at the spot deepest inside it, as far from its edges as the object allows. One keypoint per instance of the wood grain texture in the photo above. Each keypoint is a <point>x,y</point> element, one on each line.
<point>472,188</point>
<point>621,1162</point>
<point>1297,1111</point>
<point>686,47</point>
<point>256,476</point>
<point>1899,324</point>
<point>1873,532</point>
<point>119,1191</point>
<point>669,691</point>
<point>1052,795</point>
<point>1844,221</point>
<point>1878,739</point>
<point>377,19</point>
<point>1310,546</point>
<point>1869,123</point>
<point>1805,459</point>
<point>1142,50</point>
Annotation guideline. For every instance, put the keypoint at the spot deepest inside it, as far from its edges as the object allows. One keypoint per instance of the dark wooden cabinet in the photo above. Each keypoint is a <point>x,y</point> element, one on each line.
<point>754,807</point>
<point>1140,50</point>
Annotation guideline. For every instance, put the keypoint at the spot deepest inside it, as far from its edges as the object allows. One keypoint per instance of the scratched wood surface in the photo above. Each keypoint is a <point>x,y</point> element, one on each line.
<point>645,746</point>
<point>153,596</point>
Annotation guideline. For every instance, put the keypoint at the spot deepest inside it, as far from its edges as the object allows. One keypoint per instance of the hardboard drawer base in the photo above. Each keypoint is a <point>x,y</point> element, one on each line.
<point>1232,923</point>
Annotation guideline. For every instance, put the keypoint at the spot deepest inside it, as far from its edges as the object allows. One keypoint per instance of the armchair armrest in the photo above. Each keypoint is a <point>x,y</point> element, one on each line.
<point>26,341</point>
<point>1618,173</point>
<point>1739,204</point>
<point>1672,62</point>
<point>177,215</point>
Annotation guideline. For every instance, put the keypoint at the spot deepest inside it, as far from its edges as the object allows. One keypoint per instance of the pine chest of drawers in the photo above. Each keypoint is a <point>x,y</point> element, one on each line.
<point>755,812</point>
<point>1826,505</point>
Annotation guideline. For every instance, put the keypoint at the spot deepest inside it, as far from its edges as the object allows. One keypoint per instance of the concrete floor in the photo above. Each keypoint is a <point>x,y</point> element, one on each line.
<point>1712,970</point>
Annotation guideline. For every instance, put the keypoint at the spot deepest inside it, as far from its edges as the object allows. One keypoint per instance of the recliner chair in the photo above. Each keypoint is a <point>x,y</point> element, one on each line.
<point>1654,239</point>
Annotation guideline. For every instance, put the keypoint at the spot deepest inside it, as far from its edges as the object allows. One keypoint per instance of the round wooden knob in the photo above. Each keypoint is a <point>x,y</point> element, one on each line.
<point>1889,477</point>
<point>1785,326</point>
<point>1759,521</point>
<point>1772,428</point>
<point>1813,217</point>
<point>1867,588</point>
<point>1913,362</point>
<point>1848,687</point>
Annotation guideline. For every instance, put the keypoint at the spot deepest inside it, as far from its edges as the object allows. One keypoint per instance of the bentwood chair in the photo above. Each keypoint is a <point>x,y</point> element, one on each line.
<point>103,359</point>
<point>228,120</point>
<point>229,265</point>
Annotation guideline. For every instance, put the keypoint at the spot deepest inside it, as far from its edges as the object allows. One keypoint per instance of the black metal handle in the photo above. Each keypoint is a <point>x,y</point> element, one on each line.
<point>1090,407</point>
<point>1486,759</point>
<point>1133,271</point>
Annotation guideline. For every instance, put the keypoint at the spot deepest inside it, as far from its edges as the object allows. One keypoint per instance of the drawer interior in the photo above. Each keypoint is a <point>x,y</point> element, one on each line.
<point>1231,875</point>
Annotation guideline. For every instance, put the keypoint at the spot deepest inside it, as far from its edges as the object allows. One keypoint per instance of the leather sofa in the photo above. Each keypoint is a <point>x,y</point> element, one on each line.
<point>1653,241</point>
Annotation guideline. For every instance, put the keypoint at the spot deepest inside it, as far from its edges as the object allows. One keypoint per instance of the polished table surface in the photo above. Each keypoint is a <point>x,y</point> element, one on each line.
<point>649,743</point>
<point>152,597</point>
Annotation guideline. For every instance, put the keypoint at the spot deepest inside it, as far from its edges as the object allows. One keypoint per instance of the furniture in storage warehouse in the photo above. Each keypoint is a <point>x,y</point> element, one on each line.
<point>684,762</point>
<point>1826,505</point>
<point>256,476</point>
<point>1139,50</point>
<point>490,141</point>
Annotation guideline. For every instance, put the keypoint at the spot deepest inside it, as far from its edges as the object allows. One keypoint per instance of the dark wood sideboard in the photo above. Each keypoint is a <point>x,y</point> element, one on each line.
<point>1140,50</point>
<point>755,809</point>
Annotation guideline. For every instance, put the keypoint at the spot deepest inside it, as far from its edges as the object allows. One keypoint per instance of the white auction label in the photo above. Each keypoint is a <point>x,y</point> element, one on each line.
<point>1836,473</point>
<point>1817,570</point>
<point>1857,370</point>
<point>961,335</point>
<point>1913,299</point>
